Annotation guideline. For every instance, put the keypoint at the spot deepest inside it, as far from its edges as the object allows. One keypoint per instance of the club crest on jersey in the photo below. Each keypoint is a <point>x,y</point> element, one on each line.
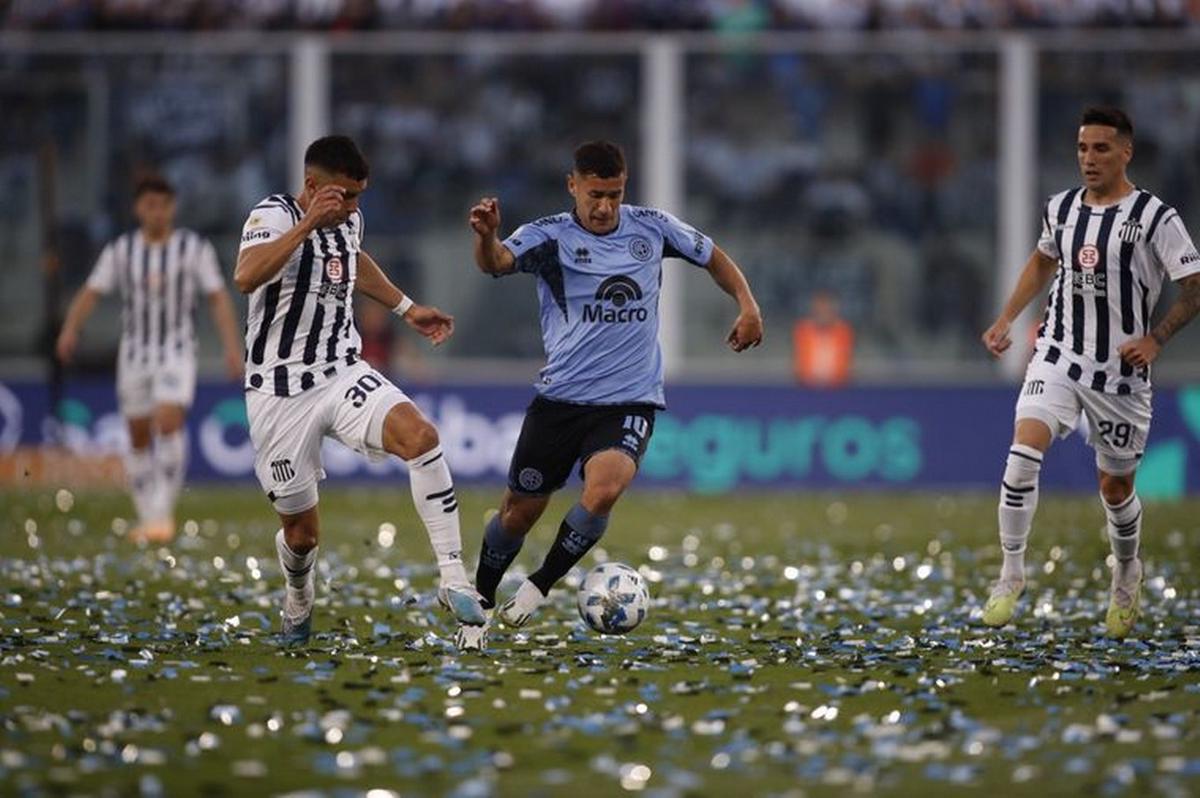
<point>1131,231</point>
<point>640,249</point>
<point>333,268</point>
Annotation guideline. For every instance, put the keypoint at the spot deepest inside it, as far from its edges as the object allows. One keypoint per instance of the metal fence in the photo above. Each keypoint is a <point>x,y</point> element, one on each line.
<point>902,173</point>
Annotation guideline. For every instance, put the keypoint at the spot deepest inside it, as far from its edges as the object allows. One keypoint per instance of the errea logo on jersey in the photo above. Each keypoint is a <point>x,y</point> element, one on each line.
<point>617,291</point>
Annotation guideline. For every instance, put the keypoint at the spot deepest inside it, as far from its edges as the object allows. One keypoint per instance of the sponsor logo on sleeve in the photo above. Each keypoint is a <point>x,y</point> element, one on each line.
<point>255,235</point>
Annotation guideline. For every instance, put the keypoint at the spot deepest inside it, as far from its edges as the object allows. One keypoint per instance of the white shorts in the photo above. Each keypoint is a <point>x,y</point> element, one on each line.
<point>141,388</point>
<point>287,431</point>
<point>1116,425</point>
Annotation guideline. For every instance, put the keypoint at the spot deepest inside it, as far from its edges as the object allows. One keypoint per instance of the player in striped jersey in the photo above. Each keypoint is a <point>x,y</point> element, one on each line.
<point>301,261</point>
<point>1108,246</point>
<point>158,270</point>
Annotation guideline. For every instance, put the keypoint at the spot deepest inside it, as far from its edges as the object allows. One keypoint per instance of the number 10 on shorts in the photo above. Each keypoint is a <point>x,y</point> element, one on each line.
<point>637,425</point>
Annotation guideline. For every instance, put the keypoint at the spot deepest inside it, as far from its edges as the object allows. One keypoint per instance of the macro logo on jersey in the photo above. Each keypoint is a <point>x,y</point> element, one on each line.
<point>640,249</point>
<point>1131,230</point>
<point>611,299</point>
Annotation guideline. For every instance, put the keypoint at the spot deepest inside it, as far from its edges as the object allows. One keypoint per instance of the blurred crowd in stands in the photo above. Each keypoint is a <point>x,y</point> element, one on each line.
<point>865,175</point>
<point>525,15</point>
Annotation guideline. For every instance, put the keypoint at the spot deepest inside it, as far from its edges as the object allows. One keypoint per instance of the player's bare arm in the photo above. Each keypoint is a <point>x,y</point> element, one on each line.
<point>1038,271</point>
<point>221,308</point>
<point>259,264</point>
<point>747,330</point>
<point>491,256</point>
<point>1144,351</point>
<point>68,337</point>
<point>428,321</point>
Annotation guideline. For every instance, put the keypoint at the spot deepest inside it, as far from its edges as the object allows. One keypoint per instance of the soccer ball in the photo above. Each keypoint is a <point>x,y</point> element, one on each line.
<point>613,598</point>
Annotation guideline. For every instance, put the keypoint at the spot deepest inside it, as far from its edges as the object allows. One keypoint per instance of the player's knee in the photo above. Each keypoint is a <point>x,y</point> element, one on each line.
<point>424,438</point>
<point>410,438</point>
<point>517,518</point>
<point>168,420</point>
<point>301,532</point>
<point>1115,489</point>
<point>600,497</point>
<point>140,432</point>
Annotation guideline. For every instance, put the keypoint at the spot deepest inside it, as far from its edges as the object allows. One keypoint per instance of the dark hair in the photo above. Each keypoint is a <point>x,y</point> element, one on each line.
<point>337,155</point>
<point>1109,116</point>
<point>600,158</point>
<point>152,184</point>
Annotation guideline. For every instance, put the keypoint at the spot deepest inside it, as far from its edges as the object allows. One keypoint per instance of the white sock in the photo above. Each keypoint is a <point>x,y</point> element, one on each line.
<point>1124,527</point>
<point>433,496</point>
<point>143,484</point>
<point>170,456</point>
<point>296,569</point>
<point>1018,501</point>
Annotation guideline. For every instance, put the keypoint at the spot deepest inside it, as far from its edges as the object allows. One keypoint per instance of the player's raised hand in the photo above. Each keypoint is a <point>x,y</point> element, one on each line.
<point>64,347</point>
<point>747,332</point>
<point>430,322</point>
<point>996,338</point>
<point>325,207</point>
<point>485,216</point>
<point>1140,352</point>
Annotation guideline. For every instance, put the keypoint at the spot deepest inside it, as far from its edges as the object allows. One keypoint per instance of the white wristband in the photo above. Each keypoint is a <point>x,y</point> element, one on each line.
<point>404,305</point>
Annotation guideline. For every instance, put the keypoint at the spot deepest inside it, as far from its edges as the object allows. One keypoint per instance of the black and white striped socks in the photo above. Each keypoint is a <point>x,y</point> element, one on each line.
<point>1018,502</point>
<point>433,496</point>
<point>1124,527</point>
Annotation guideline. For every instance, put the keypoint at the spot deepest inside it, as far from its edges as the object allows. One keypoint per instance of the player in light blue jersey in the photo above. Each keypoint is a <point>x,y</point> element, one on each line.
<point>599,273</point>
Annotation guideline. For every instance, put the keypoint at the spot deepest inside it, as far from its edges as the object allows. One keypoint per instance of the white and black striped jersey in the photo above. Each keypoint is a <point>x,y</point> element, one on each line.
<point>158,284</point>
<point>300,329</point>
<point>1112,263</point>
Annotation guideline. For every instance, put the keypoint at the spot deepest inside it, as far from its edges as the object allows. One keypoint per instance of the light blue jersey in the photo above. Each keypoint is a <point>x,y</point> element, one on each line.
<point>599,301</point>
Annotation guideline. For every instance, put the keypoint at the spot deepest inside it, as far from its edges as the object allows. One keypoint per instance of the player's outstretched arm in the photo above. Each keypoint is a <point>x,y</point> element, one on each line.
<point>428,321</point>
<point>1037,272</point>
<point>259,264</point>
<point>1144,351</point>
<point>68,337</point>
<point>491,256</point>
<point>748,328</point>
<point>221,308</point>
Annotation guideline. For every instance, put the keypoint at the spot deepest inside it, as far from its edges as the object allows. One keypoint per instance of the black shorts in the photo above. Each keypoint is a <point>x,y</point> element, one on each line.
<point>556,434</point>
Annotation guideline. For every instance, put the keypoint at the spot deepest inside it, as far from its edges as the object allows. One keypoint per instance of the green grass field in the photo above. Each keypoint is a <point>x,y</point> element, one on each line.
<point>797,645</point>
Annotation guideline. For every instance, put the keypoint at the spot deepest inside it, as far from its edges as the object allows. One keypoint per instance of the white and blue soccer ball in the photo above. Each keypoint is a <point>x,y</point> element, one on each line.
<point>613,598</point>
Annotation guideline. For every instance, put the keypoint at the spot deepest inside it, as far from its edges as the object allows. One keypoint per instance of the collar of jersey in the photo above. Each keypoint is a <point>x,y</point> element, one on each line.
<point>575,219</point>
<point>1117,204</point>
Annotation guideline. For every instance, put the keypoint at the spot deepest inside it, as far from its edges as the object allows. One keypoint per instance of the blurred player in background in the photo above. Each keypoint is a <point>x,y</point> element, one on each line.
<point>599,270</point>
<point>1109,246</point>
<point>158,270</point>
<point>301,261</point>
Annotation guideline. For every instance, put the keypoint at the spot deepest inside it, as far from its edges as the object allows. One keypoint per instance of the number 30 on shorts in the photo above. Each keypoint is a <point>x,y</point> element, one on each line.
<point>1116,434</point>
<point>357,393</point>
